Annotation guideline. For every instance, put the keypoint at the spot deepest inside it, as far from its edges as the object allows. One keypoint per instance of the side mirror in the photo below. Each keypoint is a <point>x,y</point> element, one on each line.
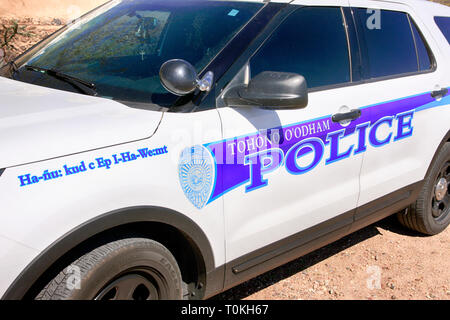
<point>278,90</point>
<point>180,78</point>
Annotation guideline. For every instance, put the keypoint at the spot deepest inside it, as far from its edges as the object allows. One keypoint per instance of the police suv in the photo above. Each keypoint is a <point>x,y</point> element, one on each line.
<point>173,149</point>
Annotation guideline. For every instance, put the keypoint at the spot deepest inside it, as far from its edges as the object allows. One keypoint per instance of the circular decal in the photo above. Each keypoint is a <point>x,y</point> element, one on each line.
<point>196,173</point>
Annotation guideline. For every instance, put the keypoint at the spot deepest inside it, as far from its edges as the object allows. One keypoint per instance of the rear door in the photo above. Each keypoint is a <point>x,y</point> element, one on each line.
<point>402,90</point>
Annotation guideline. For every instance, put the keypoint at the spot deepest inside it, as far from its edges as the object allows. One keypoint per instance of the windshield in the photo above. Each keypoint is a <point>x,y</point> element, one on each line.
<point>122,49</point>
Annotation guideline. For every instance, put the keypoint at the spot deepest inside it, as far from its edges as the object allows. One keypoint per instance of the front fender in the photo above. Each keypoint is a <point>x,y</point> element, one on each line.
<point>110,220</point>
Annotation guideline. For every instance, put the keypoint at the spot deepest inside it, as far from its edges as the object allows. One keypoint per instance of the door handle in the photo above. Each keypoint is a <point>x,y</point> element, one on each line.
<point>436,94</point>
<point>346,116</point>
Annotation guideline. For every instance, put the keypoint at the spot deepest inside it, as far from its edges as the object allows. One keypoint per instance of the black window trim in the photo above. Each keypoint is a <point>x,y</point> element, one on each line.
<point>349,47</point>
<point>415,43</point>
<point>355,45</point>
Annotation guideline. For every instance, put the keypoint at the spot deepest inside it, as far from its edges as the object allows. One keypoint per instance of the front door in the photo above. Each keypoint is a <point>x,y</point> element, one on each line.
<point>285,171</point>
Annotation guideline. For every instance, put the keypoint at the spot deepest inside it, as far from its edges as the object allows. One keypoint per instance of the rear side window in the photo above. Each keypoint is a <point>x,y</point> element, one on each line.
<point>444,24</point>
<point>311,42</point>
<point>422,52</point>
<point>390,46</point>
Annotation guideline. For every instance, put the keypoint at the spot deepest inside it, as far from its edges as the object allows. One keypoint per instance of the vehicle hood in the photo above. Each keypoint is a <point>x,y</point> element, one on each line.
<point>38,123</point>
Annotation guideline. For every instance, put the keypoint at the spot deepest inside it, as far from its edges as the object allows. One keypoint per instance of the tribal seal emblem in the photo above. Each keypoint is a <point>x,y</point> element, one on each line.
<point>196,173</point>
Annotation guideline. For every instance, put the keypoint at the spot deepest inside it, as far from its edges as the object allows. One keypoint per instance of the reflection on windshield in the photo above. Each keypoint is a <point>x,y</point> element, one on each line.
<point>76,25</point>
<point>122,49</point>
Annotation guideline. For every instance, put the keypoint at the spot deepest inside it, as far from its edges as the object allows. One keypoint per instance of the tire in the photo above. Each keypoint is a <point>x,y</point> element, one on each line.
<point>127,269</point>
<point>430,215</point>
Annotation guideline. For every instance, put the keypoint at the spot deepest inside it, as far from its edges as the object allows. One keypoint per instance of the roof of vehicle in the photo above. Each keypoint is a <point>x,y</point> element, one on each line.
<point>427,2</point>
<point>282,1</point>
<point>421,5</point>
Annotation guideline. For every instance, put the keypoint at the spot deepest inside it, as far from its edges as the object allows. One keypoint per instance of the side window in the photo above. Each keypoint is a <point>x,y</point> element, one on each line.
<point>422,52</point>
<point>444,24</point>
<point>389,44</point>
<point>425,62</point>
<point>312,42</point>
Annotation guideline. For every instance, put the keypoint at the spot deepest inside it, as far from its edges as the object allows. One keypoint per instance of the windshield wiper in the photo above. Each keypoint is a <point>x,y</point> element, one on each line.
<point>82,85</point>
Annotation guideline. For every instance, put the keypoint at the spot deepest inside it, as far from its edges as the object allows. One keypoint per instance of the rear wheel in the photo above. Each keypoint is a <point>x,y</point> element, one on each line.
<point>127,269</point>
<point>430,214</point>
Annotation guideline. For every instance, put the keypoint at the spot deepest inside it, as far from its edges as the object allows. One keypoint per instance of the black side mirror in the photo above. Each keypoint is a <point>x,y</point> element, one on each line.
<point>278,90</point>
<point>180,78</point>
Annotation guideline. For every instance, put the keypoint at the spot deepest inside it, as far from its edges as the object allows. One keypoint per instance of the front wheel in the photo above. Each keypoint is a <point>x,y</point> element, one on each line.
<point>127,269</point>
<point>430,214</point>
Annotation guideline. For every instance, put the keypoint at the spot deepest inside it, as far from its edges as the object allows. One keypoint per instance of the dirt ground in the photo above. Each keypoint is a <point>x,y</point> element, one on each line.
<point>382,261</point>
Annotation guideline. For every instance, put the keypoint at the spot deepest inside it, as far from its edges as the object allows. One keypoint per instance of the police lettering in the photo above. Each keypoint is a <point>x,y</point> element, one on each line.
<point>377,134</point>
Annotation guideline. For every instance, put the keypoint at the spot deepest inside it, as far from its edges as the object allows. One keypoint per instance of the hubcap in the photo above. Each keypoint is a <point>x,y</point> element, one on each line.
<point>440,203</point>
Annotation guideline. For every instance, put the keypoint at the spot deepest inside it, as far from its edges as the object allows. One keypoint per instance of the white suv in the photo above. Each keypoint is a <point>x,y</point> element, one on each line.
<point>173,149</point>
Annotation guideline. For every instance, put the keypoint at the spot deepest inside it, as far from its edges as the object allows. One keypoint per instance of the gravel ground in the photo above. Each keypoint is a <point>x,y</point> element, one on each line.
<point>409,265</point>
<point>382,261</point>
